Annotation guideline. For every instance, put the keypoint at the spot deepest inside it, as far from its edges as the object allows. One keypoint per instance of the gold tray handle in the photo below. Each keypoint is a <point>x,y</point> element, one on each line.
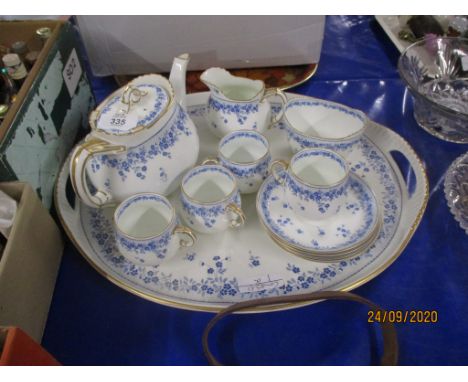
<point>79,160</point>
<point>274,170</point>
<point>239,219</point>
<point>284,100</point>
<point>186,231</point>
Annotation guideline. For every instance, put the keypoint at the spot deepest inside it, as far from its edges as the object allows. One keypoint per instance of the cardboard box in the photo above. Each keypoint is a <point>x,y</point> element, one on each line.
<point>51,107</point>
<point>18,349</point>
<point>29,263</point>
<point>145,44</point>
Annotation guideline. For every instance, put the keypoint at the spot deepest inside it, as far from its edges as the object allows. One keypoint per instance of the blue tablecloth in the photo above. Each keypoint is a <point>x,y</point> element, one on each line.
<point>92,321</point>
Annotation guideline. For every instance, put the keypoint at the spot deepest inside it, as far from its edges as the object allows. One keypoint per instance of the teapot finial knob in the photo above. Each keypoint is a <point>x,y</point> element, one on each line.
<point>131,95</point>
<point>177,77</point>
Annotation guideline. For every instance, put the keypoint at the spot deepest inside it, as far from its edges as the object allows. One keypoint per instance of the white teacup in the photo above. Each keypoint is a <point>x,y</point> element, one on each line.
<point>211,200</point>
<point>315,182</point>
<point>246,154</point>
<point>147,229</point>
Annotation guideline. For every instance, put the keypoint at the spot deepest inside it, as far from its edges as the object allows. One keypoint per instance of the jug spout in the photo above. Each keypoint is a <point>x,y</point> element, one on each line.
<point>177,77</point>
<point>232,88</point>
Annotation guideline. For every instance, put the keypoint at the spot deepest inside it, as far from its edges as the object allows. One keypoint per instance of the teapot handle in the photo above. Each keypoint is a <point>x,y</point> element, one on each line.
<point>79,160</point>
<point>284,100</point>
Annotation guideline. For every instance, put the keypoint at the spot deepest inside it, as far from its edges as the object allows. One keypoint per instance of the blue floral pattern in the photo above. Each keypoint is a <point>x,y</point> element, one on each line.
<point>213,279</point>
<point>320,197</point>
<point>161,100</point>
<point>306,142</point>
<point>248,170</point>
<point>299,141</point>
<point>135,160</point>
<point>209,214</point>
<point>239,109</point>
<point>366,203</point>
<point>327,105</point>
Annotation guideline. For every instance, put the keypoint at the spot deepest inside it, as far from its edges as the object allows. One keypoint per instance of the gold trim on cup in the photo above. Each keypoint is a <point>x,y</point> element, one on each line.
<point>290,170</point>
<point>240,216</point>
<point>180,229</point>
<point>377,225</point>
<point>263,157</point>
<point>195,201</point>
<point>168,225</point>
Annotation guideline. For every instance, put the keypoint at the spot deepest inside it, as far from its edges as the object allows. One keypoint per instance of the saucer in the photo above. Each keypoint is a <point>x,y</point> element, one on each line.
<point>351,230</point>
<point>331,257</point>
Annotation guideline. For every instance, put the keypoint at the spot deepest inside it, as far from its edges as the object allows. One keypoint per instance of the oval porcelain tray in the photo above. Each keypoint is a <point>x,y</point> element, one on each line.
<point>245,264</point>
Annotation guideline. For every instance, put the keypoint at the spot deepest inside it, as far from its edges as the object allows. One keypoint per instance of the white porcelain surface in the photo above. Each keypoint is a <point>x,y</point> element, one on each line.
<point>235,103</point>
<point>145,229</point>
<point>316,123</point>
<point>247,155</point>
<point>314,183</point>
<point>244,264</point>
<point>354,222</point>
<point>210,199</point>
<point>136,134</point>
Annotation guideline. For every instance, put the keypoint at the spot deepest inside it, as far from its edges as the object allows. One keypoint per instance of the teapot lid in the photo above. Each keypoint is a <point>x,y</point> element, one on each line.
<point>137,107</point>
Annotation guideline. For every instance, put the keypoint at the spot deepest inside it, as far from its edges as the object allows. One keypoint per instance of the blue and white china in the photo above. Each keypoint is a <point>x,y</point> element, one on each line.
<point>210,199</point>
<point>141,140</point>
<point>147,231</point>
<point>315,182</point>
<point>343,234</point>
<point>315,123</point>
<point>246,154</point>
<point>244,264</point>
<point>238,103</point>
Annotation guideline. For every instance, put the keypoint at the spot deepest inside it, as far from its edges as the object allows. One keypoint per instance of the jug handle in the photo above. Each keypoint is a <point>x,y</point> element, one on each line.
<point>284,100</point>
<point>80,157</point>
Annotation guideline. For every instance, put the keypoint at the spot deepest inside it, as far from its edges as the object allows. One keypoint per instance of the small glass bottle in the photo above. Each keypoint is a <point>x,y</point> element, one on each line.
<point>16,69</point>
<point>3,111</point>
<point>44,33</point>
<point>20,48</point>
<point>31,58</point>
<point>8,82</point>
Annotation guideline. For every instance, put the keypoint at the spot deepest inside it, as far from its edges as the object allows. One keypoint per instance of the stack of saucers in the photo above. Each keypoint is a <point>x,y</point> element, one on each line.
<point>315,208</point>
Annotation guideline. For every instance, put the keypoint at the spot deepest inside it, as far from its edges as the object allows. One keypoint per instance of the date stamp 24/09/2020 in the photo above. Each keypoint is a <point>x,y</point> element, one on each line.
<point>403,316</point>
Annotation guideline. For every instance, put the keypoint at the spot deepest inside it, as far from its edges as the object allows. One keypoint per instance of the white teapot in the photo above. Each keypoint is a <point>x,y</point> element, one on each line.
<point>141,140</point>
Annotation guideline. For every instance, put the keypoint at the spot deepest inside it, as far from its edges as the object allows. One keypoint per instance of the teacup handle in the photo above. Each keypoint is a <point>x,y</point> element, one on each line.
<point>239,220</point>
<point>270,93</point>
<point>188,232</point>
<point>79,160</point>
<point>274,170</point>
<point>210,160</point>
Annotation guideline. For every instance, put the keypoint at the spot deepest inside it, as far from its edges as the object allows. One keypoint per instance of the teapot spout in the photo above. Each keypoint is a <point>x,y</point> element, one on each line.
<point>177,77</point>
